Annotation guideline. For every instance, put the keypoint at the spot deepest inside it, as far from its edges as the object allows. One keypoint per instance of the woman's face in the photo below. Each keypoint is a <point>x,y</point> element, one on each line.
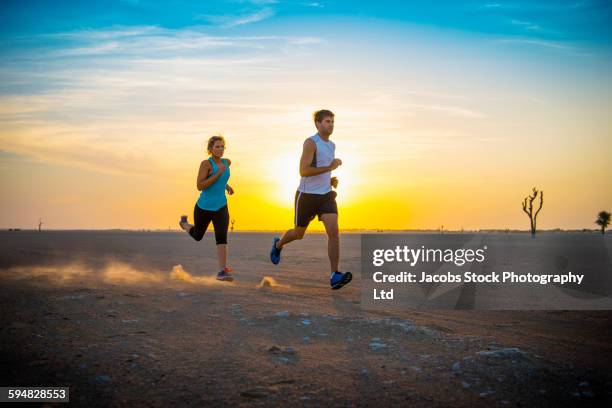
<point>218,148</point>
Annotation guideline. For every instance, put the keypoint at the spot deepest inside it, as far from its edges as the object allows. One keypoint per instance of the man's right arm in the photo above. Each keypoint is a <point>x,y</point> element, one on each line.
<point>308,151</point>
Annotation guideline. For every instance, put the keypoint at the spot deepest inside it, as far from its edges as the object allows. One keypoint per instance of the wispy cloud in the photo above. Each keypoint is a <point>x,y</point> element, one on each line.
<point>526,25</point>
<point>556,46</point>
<point>450,110</point>
<point>149,82</point>
<point>229,21</point>
<point>534,6</point>
<point>258,2</point>
<point>143,41</point>
<point>535,29</point>
<point>559,20</point>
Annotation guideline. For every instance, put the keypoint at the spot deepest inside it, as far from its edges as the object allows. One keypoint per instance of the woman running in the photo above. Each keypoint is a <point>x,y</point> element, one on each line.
<point>212,204</point>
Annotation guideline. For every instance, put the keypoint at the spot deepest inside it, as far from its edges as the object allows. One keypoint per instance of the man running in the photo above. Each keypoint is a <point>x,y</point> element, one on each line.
<point>315,196</point>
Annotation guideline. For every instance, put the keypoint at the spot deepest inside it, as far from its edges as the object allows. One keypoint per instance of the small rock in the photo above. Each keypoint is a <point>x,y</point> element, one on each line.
<point>80,296</point>
<point>283,360</point>
<point>505,352</point>
<point>465,385</point>
<point>456,367</point>
<point>306,322</point>
<point>376,345</point>
<point>284,313</point>
<point>305,339</point>
<point>254,393</point>
<point>103,378</point>
<point>274,350</point>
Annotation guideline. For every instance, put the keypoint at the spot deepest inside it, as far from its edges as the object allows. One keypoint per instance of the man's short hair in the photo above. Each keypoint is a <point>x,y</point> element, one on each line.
<point>319,115</point>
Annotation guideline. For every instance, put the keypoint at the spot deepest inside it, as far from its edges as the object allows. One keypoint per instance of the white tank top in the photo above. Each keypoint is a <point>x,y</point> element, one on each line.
<point>325,154</point>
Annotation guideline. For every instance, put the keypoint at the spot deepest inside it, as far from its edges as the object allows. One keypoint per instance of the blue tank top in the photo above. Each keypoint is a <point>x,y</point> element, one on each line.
<point>213,198</point>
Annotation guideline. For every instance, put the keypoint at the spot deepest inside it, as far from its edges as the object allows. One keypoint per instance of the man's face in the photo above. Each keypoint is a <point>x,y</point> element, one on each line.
<point>326,126</point>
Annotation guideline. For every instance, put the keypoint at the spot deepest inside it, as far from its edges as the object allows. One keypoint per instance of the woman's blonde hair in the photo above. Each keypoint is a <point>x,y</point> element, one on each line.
<point>212,140</point>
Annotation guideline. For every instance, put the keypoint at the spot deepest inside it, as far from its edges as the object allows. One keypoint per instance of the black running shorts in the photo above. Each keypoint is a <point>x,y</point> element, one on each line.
<point>308,205</point>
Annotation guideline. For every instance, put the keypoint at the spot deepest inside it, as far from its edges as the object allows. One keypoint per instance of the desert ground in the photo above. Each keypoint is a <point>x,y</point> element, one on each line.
<point>137,318</point>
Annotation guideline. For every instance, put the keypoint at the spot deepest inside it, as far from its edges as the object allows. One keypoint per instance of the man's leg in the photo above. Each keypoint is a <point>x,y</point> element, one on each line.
<point>333,239</point>
<point>291,235</point>
<point>305,209</point>
<point>302,207</point>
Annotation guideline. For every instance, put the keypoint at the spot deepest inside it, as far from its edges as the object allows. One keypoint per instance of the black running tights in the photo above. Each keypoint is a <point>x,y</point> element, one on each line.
<point>202,219</point>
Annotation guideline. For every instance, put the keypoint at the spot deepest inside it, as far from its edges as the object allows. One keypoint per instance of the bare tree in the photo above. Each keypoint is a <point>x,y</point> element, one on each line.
<point>528,209</point>
<point>603,219</point>
<point>40,223</point>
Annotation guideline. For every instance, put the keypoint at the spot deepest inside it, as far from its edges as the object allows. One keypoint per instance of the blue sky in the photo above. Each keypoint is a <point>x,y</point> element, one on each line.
<point>586,21</point>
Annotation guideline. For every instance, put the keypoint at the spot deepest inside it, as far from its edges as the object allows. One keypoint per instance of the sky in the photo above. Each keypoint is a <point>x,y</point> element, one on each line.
<point>447,113</point>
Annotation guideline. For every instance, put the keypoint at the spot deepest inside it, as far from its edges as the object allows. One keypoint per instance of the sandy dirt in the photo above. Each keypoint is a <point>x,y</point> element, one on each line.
<point>138,319</point>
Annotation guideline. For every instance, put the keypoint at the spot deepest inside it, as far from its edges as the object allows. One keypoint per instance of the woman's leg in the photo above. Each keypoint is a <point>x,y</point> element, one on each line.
<point>220,221</point>
<point>201,218</point>
<point>222,255</point>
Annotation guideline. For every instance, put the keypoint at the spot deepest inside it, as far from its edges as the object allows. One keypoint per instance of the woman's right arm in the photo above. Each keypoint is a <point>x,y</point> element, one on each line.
<point>203,181</point>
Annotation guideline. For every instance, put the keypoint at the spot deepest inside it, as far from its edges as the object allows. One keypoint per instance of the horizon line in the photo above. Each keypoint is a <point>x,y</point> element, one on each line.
<point>346,230</point>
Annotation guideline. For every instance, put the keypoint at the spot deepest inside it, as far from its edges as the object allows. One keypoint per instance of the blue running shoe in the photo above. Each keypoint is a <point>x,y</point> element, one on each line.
<point>275,252</point>
<point>225,275</point>
<point>339,279</point>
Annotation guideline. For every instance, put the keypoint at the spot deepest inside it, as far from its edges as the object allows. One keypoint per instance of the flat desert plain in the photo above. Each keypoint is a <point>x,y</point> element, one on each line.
<point>138,319</point>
